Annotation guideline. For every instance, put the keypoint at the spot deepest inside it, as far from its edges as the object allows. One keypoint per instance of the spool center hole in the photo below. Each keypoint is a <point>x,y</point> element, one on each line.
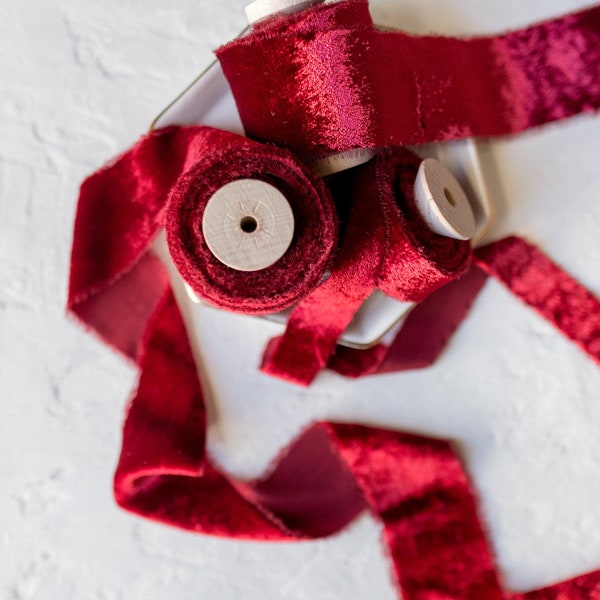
<point>449,197</point>
<point>248,224</point>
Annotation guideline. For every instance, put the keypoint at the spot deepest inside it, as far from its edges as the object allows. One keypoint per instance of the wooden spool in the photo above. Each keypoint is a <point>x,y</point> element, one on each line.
<point>442,202</point>
<point>341,161</point>
<point>248,224</point>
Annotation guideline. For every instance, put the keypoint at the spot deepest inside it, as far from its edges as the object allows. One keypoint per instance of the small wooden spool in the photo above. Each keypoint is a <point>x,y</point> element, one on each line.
<point>248,224</point>
<point>342,161</point>
<point>261,9</point>
<point>442,202</point>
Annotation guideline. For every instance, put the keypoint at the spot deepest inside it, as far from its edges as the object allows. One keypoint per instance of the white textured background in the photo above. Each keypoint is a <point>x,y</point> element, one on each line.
<point>79,82</point>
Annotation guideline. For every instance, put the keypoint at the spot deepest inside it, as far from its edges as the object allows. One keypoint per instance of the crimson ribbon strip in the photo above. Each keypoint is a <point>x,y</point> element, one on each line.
<point>524,270</point>
<point>386,245</point>
<point>414,485</point>
<point>115,282</point>
<point>121,208</point>
<point>327,80</point>
<point>544,286</point>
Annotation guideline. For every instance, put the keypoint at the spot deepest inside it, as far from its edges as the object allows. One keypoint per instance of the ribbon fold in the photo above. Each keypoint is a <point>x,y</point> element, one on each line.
<point>414,485</point>
<point>319,82</point>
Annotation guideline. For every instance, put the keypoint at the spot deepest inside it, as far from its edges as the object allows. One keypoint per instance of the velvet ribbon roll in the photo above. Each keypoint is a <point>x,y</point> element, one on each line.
<point>415,486</point>
<point>302,266</point>
<point>116,282</point>
<point>386,245</point>
<point>327,80</point>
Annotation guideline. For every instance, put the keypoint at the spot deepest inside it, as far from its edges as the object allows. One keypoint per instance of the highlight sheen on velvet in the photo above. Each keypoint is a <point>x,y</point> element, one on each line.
<point>327,80</point>
<point>317,82</point>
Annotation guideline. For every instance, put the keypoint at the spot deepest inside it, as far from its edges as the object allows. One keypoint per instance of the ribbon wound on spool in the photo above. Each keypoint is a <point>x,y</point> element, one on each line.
<point>416,486</point>
<point>298,270</point>
<point>386,245</point>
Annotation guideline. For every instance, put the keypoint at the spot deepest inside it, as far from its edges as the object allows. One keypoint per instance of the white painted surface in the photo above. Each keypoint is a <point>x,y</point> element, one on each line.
<point>80,81</point>
<point>261,9</point>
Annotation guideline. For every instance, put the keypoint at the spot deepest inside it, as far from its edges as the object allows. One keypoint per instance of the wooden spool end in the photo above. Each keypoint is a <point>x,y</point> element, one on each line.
<point>248,224</point>
<point>442,202</point>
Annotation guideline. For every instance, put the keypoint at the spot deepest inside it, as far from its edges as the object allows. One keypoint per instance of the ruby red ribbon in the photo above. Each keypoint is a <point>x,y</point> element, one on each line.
<point>335,90</point>
<point>227,158</point>
<point>386,245</point>
<point>122,207</point>
<point>414,485</point>
<point>327,80</point>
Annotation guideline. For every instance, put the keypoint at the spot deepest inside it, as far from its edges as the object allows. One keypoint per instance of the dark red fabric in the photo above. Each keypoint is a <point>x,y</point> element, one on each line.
<point>423,336</point>
<point>163,472</point>
<point>327,80</point>
<point>543,285</point>
<point>415,485</point>
<point>418,489</point>
<point>302,266</point>
<point>115,283</point>
<point>315,325</point>
<point>387,245</point>
<point>519,265</point>
<point>332,96</point>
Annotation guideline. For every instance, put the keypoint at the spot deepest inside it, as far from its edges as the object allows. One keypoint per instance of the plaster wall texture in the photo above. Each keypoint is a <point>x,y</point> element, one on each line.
<point>79,83</point>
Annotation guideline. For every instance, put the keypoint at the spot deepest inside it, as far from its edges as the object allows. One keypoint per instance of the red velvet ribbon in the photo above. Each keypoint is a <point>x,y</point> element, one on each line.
<point>544,286</point>
<point>297,272</point>
<point>332,92</point>
<point>423,336</point>
<point>328,80</point>
<point>115,282</point>
<point>386,245</point>
<point>414,485</point>
<point>122,208</point>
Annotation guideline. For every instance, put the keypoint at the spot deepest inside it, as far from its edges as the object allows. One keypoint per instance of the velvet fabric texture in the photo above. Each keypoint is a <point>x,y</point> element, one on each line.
<point>544,286</point>
<point>116,282</point>
<point>120,211</point>
<point>302,266</point>
<point>386,245</point>
<point>319,82</point>
<point>423,336</point>
<point>415,486</point>
<point>327,80</point>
